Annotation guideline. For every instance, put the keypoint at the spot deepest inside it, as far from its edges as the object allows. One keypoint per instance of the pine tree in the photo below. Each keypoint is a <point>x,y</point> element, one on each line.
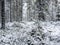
<point>2,15</point>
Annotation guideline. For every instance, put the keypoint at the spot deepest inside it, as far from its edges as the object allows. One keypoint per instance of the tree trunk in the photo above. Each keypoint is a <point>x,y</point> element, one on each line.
<point>2,15</point>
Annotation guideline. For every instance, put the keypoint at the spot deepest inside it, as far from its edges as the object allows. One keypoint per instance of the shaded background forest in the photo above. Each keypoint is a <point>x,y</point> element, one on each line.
<point>30,10</point>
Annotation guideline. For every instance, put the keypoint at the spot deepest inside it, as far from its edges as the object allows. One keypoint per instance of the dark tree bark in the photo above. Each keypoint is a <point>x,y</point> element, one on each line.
<point>40,6</point>
<point>2,15</point>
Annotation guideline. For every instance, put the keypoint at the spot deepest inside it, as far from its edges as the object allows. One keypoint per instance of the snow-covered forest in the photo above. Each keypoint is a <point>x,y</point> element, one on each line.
<point>29,22</point>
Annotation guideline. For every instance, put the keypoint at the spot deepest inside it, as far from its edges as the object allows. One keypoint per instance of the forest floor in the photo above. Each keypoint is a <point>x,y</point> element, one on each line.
<point>29,33</point>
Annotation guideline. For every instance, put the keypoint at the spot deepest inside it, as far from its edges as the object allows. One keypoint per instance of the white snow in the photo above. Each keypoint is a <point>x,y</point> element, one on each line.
<point>52,32</point>
<point>25,33</point>
<point>52,27</point>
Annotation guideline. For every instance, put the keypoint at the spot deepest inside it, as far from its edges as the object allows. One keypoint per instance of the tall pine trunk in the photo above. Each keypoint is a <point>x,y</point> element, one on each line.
<point>2,15</point>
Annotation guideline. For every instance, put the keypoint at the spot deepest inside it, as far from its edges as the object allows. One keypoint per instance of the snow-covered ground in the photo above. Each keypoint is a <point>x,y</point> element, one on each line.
<point>28,33</point>
<point>52,32</point>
